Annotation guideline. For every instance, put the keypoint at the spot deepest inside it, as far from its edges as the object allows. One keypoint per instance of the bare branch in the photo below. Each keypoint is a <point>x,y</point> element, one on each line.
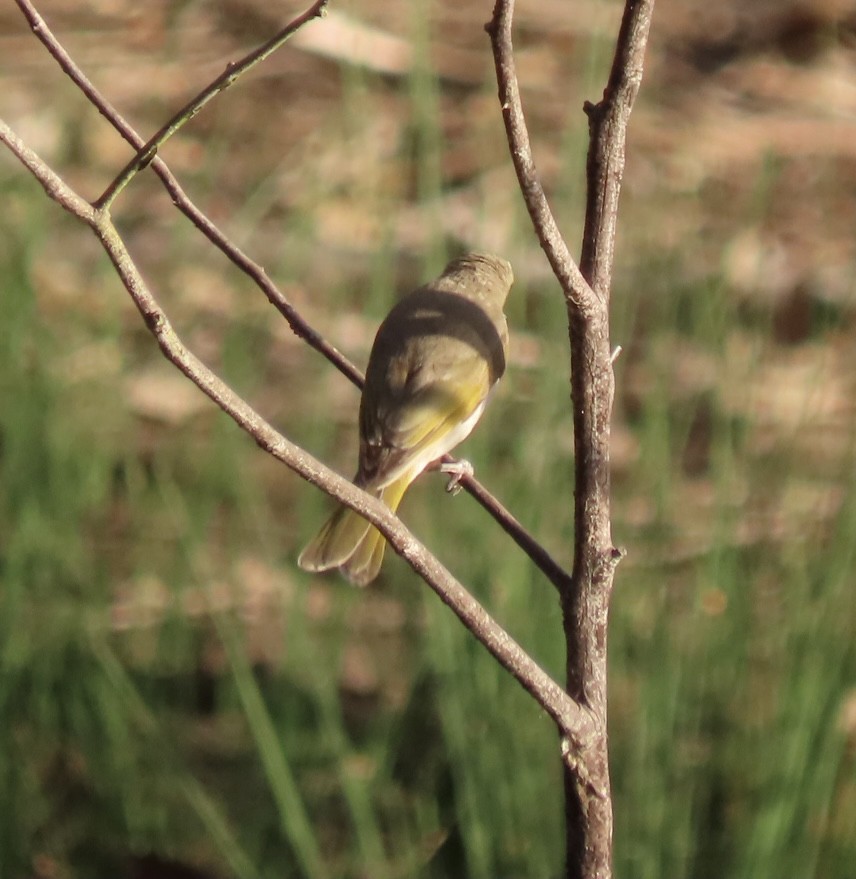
<point>585,598</point>
<point>524,539</point>
<point>183,202</point>
<point>234,70</point>
<point>580,710</point>
<point>574,721</point>
<point>607,137</point>
<point>576,288</point>
<point>554,572</point>
<point>54,186</point>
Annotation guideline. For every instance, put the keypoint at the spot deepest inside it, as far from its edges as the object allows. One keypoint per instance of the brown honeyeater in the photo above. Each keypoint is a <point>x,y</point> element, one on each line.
<point>434,361</point>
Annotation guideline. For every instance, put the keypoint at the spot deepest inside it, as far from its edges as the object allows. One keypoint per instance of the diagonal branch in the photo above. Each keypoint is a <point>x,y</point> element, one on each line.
<point>576,288</point>
<point>234,70</point>
<point>573,720</point>
<point>523,538</point>
<point>183,202</point>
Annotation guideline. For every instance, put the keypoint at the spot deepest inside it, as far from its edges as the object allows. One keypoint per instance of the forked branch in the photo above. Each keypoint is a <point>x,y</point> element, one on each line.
<point>301,328</point>
<point>574,720</point>
<point>585,600</point>
<point>579,710</point>
<point>227,78</point>
<point>574,285</point>
<point>571,718</point>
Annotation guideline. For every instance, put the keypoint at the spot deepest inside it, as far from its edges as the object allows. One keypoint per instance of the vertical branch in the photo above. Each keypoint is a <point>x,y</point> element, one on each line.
<point>607,136</point>
<point>585,601</point>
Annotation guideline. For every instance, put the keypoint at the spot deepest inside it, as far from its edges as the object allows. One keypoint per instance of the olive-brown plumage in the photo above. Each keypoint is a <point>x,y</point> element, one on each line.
<point>434,361</point>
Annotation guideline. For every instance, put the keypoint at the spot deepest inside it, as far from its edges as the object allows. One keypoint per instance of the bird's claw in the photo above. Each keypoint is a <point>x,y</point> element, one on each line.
<point>456,471</point>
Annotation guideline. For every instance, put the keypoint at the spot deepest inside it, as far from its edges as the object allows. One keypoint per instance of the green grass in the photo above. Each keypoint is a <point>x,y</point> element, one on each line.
<point>729,669</point>
<point>206,738</point>
<point>729,758</point>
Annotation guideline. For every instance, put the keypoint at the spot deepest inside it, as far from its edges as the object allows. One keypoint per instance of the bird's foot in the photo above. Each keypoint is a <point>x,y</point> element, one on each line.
<point>456,471</point>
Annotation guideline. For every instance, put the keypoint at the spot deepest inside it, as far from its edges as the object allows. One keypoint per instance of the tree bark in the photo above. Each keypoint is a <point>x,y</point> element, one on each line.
<point>585,597</point>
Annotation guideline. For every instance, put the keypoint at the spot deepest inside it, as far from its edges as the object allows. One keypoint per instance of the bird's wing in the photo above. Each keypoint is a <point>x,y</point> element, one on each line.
<point>437,407</point>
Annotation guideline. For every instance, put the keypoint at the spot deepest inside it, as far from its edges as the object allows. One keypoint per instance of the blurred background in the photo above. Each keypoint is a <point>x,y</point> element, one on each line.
<point>177,699</point>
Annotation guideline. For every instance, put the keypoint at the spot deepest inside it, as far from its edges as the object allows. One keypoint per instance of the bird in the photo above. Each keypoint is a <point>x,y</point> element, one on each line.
<point>434,362</point>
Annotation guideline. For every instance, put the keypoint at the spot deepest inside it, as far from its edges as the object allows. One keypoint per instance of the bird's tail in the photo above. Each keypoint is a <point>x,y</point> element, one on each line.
<point>348,542</point>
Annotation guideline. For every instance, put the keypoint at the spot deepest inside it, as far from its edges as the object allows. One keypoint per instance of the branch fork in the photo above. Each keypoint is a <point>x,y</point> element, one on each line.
<point>579,708</point>
<point>585,597</point>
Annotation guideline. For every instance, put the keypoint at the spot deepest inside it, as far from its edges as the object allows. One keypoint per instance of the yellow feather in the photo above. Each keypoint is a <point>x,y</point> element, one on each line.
<point>348,542</point>
<point>433,363</point>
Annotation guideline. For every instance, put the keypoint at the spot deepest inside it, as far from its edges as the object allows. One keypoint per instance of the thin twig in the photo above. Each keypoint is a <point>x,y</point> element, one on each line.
<point>573,720</point>
<point>574,285</point>
<point>234,70</point>
<point>54,186</point>
<point>554,572</point>
<point>183,202</point>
